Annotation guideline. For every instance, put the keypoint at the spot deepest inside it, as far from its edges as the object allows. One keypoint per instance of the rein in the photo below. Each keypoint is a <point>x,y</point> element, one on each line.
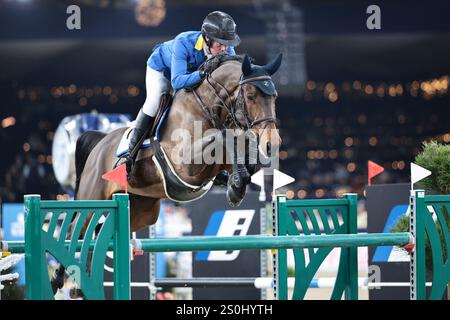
<point>233,106</point>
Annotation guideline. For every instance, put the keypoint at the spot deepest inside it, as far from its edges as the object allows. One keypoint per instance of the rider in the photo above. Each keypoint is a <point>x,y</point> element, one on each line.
<point>176,62</point>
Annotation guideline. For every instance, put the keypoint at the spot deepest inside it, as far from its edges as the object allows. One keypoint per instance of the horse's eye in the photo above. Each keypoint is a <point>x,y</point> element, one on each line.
<point>250,98</point>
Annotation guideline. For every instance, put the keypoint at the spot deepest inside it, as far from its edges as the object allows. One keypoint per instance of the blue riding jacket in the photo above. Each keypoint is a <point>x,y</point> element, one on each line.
<point>180,58</point>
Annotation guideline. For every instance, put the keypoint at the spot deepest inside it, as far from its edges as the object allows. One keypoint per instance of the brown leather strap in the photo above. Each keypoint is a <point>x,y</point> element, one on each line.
<point>230,104</point>
<point>228,97</point>
<point>206,110</point>
<point>255,79</point>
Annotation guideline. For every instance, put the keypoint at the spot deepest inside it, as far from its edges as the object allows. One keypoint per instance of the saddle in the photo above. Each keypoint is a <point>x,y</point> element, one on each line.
<point>164,105</point>
<point>152,134</point>
<point>175,188</point>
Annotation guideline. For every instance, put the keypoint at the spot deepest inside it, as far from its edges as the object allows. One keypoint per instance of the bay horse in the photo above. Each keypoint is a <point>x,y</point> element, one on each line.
<point>146,185</point>
<point>233,96</point>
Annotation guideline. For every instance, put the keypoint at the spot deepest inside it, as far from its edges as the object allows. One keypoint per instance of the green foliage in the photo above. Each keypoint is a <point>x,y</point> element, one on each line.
<point>402,225</point>
<point>436,158</point>
<point>12,290</point>
<point>291,272</point>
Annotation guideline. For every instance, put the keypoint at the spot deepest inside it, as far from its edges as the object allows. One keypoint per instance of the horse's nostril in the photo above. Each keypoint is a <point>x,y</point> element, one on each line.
<point>269,149</point>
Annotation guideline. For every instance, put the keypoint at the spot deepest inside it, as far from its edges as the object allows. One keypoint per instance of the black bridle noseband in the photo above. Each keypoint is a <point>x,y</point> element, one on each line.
<point>243,106</point>
<point>232,106</point>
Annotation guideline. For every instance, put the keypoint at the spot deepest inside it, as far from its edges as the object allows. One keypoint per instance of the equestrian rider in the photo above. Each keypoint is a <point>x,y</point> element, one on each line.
<point>175,63</point>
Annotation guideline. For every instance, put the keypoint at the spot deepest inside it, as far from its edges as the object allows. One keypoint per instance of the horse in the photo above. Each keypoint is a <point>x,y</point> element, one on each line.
<point>237,95</point>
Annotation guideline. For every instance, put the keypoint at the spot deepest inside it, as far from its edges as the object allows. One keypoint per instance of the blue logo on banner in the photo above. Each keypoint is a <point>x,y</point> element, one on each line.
<point>227,223</point>
<point>382,253</point>
<point>13,222</point>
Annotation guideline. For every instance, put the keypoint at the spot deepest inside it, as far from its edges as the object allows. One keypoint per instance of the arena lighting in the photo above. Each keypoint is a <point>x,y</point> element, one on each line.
<point>425,89</point>
<point>150,13</point>
<point>446,137</point>
<point>8,122</point>
<point>283,20</point>
<point>301,194</point>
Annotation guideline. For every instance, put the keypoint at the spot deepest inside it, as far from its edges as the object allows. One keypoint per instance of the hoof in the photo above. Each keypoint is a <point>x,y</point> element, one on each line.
<point>240,176</point>
<point>251,169</point>
<point>221,179</point>
<point>76,294</point>
<point>235,195</point>
<point>57,281</point>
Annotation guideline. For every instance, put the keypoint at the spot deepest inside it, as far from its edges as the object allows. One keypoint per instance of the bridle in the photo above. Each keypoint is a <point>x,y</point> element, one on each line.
<point>233,106</point>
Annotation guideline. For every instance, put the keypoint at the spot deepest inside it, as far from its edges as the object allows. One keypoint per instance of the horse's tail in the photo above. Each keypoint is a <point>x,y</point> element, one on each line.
<point>85,143</point>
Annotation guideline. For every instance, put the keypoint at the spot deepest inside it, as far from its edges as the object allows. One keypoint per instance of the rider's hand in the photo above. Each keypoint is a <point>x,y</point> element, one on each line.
<point>209,66</point>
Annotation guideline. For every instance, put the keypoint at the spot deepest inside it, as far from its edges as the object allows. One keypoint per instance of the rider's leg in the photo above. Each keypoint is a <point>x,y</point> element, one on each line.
<point>155,83</point>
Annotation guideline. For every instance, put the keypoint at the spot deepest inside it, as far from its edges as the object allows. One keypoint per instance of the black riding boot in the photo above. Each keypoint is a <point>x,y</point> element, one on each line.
<point>144,124</point>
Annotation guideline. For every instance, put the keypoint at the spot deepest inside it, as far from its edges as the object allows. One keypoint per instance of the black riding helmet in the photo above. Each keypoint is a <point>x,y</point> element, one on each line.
<point>220,27</point>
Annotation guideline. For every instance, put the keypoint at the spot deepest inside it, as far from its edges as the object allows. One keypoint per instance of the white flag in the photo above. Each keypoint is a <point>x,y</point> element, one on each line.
<point>418,173</point>
<point>258,178</point>
<point>280,179</point>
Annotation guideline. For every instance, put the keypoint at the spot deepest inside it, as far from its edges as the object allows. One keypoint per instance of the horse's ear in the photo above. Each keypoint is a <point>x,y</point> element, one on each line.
<point>273,65</point>
<point>246,66</point>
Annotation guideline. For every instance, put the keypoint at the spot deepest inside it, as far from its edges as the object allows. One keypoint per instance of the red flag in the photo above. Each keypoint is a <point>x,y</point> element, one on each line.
<point>409,247</point>
<point>118,175</point>
<point>374,170</point>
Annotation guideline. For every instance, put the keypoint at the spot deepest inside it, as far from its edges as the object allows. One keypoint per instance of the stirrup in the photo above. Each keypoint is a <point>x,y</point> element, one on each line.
<point>124,156</point>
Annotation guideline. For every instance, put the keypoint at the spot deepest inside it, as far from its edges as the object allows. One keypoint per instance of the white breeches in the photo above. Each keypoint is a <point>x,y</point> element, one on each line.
<point>155,84</point>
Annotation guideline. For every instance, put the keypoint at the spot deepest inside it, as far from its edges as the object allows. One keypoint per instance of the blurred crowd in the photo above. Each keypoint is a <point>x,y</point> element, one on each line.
<point>29,120</point>
<point>325,146</point>
<point>328,144</point>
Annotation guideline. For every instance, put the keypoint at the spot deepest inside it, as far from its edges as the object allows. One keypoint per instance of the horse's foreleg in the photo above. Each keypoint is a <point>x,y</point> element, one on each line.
<point>240,175</point>
<point>237,184</point>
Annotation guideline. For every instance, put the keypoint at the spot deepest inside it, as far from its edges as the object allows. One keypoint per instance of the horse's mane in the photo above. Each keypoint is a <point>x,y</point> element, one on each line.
<point>226,58</point>
<point>239,57</point>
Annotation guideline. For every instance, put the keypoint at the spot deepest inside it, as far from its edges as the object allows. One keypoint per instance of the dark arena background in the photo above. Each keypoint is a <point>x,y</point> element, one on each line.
<point>347,93</point>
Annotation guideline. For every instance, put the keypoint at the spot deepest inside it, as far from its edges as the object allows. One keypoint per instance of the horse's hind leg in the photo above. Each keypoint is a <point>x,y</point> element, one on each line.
<point>86,191</point>
<point>143,212</point>
<point>57,280</point>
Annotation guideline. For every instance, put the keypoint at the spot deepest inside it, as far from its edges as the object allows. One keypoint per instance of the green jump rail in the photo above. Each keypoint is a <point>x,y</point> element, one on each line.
<point>270,242</point>
<point>245,242</point>
<point>315,227</point>
<point>40,239</point>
